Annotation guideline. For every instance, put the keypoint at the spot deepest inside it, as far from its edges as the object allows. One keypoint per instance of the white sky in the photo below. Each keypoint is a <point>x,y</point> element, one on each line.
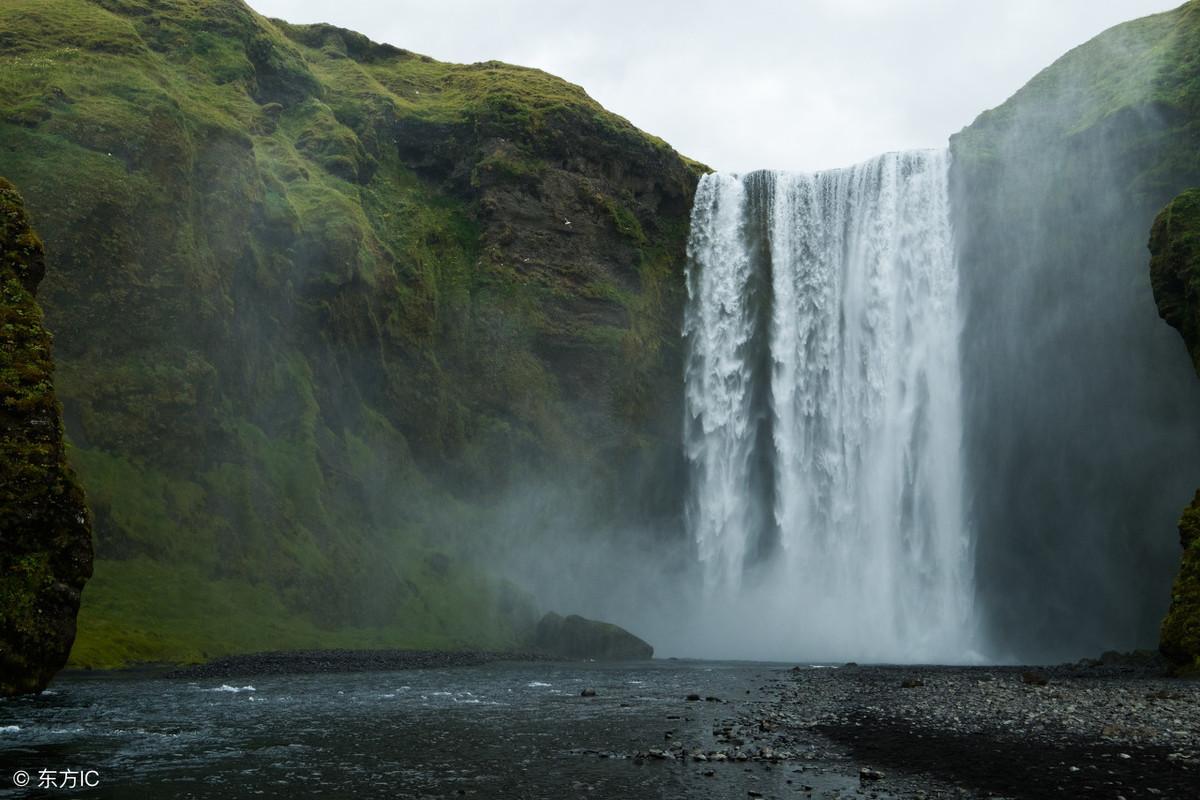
<point>802,85</point>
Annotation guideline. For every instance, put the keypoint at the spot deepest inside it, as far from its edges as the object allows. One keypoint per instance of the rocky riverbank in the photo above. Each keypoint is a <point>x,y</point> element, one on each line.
<point>1103,729</point>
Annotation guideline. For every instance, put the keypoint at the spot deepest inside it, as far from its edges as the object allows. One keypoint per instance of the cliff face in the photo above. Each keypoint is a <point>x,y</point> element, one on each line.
<point>1175,275</point>
<point>1080,407</point>
<point>322,304</point>
<point>45,536</point>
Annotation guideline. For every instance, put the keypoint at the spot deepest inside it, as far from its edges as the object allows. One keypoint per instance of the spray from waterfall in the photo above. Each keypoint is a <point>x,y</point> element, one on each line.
<point>823,396</point>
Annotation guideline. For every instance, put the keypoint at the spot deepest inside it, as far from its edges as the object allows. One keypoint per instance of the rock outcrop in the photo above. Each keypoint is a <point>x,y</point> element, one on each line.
<point>576,637</point>
<point>45,533</point>
<point>1175,275</point>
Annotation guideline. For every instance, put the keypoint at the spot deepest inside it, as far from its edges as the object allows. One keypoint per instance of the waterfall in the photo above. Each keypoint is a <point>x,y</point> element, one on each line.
<point>823,411</point>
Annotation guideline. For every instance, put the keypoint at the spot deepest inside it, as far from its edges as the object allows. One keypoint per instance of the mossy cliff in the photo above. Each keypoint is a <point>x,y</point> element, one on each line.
<point>320,304</point>
<point>1082,412</point>
<point>1175,275</point>
<point>45,535</point>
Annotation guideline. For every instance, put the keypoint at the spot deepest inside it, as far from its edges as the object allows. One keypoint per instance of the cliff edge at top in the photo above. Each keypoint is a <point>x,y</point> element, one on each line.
<point>45,535</point>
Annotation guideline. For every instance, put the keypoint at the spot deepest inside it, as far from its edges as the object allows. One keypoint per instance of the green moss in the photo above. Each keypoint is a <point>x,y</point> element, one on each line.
<point>623,219</point>
<point>182,614</point>
<point>1175,267</point>
<point>507,168</point>
<point>1180,634</point>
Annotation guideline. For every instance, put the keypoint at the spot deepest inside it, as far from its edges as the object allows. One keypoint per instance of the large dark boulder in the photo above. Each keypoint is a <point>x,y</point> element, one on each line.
<point>45,534</point>
<point>577,637</point>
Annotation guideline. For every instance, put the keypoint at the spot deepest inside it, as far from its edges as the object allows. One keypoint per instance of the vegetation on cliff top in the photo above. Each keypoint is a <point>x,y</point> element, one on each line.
<point>45,537</point>
<point>319,302</point>
<point>1147,68</point>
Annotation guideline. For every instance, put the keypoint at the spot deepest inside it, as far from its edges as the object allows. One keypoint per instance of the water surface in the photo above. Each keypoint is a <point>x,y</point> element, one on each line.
<point>496,731</point>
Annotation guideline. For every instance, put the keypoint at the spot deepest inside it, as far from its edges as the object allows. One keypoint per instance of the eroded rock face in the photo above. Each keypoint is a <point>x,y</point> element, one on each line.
<point>1175,275</point>
<point>578,637</point>
<point>45,533</point>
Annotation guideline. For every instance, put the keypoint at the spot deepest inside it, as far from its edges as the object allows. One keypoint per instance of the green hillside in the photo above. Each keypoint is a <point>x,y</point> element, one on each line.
<point>320,304</point>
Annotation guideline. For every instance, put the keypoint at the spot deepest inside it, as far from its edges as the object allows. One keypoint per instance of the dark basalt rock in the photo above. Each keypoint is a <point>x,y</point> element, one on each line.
<point>1175,276</point>
<point>577,637</point>
<point>1034,678</point>
<point>45,532</point>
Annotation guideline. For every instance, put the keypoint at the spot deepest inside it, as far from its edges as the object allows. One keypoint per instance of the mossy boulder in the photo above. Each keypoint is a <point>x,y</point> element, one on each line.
<point>45,533</point>
<point>1175,275</point>
<point>576,637</point>
<point>1180,635</point>
<point>1175,267</point>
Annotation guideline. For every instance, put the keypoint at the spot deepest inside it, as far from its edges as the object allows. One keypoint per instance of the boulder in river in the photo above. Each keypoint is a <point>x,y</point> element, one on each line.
<point>577,637</point>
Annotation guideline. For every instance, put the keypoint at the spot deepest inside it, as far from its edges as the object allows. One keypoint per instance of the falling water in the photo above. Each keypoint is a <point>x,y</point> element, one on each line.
<point>823,407</point>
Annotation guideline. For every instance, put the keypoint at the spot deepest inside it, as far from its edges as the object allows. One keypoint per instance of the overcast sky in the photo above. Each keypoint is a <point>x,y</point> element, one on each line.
<point>743,84</point>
